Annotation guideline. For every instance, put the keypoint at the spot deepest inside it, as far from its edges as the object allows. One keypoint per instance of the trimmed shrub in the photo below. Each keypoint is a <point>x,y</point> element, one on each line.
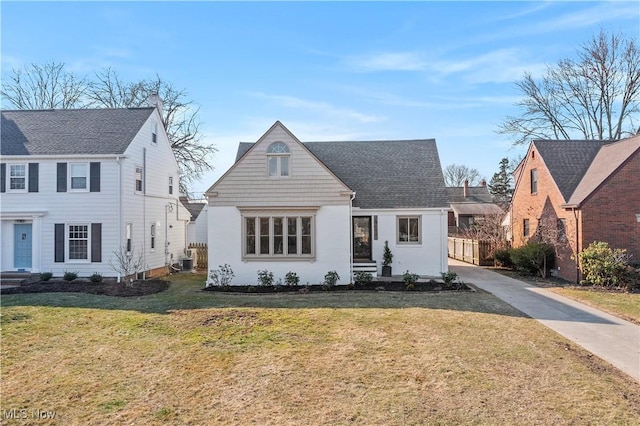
<point>534,258</point>
<point>291,279</point>
<point>503,257</point>
<point>265,278</point>
<point>221,277</point>
<point>330,280</point>
<point>95,278</point>
<point>601,265</point>
<point>46,276</point>
<point>70,276</point>
<point>362,277</point>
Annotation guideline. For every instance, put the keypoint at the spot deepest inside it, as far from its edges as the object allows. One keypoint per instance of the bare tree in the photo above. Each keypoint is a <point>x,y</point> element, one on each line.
<point>594,97</point>
<point>126,264</point>
<point>455,175</point>
<point>46,86</point>
<point>488,228</point>
<point>179,117</point>
<point>50,86</point>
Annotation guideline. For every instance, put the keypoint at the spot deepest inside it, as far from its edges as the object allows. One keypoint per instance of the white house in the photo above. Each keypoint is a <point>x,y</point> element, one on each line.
<point>197,227</point>
<point>315,207</point>
<point>80,185</point>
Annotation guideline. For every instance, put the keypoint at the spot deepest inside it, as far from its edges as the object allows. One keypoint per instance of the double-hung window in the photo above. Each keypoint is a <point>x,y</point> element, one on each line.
<point>17,177</point>
<point>534,181</point>
<point>409,229</point>
<point>78,173</point>
<point>278,159</point>
<point>286,235</point>
<point>78,237</point>
<point>138,177</point>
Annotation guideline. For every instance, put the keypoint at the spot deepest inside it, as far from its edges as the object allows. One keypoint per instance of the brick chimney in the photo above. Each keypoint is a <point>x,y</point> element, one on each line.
<point>465,189</point>
<point>483,183</point>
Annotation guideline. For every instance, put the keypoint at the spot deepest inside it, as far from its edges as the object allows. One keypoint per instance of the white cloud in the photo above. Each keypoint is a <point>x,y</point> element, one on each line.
<point>389,61</point>
<point>319,107</point>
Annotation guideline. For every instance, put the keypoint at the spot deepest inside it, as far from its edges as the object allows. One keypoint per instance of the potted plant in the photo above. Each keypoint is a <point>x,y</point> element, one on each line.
<point>387,258</point>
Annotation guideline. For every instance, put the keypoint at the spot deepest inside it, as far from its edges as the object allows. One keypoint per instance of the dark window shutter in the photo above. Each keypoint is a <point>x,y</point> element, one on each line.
<point>62,177</point>
<point>94,177</point>
<point>3,177</point>
<point>33,177</point>
<point>96,242</point>
<point>59,240</point>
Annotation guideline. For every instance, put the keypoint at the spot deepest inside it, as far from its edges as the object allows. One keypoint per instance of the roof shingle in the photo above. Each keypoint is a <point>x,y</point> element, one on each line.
<point>72,131</point>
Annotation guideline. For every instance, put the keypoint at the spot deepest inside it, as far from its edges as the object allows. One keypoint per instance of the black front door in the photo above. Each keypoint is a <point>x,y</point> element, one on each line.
<point>361,238</point>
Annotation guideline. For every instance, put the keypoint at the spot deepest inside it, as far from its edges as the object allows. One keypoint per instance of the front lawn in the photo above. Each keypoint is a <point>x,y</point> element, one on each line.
<point>622,305</point>
<point>185,356</point>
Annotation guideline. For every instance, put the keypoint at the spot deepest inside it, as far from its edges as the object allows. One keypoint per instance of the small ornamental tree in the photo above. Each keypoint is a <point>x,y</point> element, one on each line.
<point>387,256</point>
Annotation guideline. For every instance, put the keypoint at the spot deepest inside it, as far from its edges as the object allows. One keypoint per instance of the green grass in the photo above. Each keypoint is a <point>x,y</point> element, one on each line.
<point>186,356</point>
<point>622,305</point>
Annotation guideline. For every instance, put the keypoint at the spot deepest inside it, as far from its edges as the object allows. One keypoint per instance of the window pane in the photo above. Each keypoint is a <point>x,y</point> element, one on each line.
<point>284,166</point>
<point>264,235</point>
<point>278,240</point>
<point>78,176</point>
<point>306,235</point>
<point>292,235</point>
<point>139,179</point>
<point>273,166</point>
<point>403,230</point>
<point>78,241</point>
<point>413,230</point>
<point>250,229</point>
<point>17,176</point>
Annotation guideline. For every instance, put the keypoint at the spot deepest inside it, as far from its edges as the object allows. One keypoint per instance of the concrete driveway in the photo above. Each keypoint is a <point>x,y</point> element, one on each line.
<point>614,340</point>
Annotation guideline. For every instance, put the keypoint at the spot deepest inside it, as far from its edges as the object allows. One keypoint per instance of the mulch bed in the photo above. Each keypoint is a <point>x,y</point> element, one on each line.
<point>107,288</point>
<point>433,286</point>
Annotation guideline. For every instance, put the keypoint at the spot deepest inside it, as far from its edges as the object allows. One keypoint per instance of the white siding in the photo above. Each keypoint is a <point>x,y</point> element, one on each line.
<point>332,247</point>
<point>429,258</point>
<point>309,184</point>
<point>197,230</point>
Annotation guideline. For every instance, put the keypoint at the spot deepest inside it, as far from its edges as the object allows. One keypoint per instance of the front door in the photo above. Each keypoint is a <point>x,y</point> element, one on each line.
<point>22,245</point>
<point>361,238</point>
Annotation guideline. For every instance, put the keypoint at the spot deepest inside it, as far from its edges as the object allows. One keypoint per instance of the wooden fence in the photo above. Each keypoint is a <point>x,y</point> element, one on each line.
<point>200,254</point>
<point>470,251</point>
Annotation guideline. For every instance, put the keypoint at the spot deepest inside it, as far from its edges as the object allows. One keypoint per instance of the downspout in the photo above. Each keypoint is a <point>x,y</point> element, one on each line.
<point>575,216</point>
<point>351,197</point>
<point>444,231</point>
<point>166,236</point>
<point>144,213</point>
<point>119,209</point>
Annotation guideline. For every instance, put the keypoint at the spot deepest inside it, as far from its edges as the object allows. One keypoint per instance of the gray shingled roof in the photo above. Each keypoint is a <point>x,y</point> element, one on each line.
<point>72,131</point>
<point>475,194</point>
<point>194,207</point>
<point>384,174</point>
<point>568,160</point>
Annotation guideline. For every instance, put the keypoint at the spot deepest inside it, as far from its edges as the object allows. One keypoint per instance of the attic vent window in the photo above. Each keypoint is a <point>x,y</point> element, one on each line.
<point>154,132</point>
<point>278,159</point>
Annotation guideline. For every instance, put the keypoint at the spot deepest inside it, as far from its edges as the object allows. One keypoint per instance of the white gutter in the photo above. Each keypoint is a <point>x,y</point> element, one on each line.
<point>352,196</point>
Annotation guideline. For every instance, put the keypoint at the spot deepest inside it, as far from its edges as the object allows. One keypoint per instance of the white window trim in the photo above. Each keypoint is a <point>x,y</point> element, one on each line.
<point>153,236</point>
<point>409,243</point>
<point>86,177</point>
<point>285,256</point>
<point>154,132</point>
<point>67,241</point>
<point>135,180</point>
<point>26,178</point>
<point>128,235</point>
<point>279,156</point>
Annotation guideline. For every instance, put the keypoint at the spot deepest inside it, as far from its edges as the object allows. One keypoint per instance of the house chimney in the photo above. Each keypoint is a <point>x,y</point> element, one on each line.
<point>465,189</point>
<point>155,101</point>
<point>483,183</point>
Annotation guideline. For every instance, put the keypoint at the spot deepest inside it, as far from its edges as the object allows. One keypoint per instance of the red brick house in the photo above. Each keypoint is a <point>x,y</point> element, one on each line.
<point>577,192</point>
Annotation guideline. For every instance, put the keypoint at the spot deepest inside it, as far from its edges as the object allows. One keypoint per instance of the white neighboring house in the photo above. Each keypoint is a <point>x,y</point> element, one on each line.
<point>197,227</point>
<point>79,185</point>
<point>315,207</point>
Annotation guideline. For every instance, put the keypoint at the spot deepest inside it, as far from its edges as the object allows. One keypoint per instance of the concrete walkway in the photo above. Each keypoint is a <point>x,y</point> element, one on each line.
<point>612,339</point>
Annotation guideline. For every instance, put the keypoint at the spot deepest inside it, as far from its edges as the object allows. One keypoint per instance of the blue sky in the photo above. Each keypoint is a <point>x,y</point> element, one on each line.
<point>326,70</point>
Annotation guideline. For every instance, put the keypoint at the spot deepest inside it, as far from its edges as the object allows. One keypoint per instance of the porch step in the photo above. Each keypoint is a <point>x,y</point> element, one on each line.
<point>13,278</point>
<point>371,267</point>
